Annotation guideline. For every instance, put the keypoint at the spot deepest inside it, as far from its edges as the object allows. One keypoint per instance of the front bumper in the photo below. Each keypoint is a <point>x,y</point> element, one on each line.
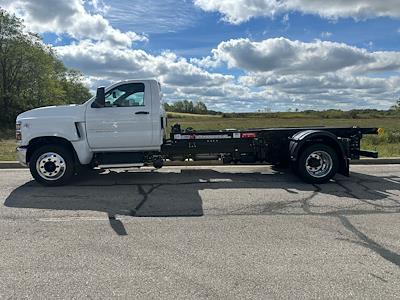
<point>21,156</point>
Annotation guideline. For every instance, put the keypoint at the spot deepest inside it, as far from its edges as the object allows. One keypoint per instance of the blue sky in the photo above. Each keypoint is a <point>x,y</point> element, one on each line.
<point>239,55</point>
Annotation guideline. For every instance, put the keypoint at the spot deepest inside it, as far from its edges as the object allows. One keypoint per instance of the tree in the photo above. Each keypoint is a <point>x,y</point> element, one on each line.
<point>167,107</point>
<point>30,73</point>
<point>186,106</point>
<point>396,106</point>
<point>200,108</point>
<point>178,106</point>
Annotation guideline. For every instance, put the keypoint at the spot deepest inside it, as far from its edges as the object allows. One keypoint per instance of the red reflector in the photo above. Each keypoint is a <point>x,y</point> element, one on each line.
<point>248,135</point>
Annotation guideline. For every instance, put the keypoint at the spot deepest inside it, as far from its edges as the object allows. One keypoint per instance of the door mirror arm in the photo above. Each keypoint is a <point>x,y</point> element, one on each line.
<point>100,98</point>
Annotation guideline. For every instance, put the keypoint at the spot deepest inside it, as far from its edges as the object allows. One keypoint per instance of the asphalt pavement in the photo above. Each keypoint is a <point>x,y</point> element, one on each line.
<point>220,232</point>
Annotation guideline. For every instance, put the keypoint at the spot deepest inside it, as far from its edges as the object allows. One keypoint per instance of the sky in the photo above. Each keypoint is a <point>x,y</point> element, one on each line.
<point>234,55</point>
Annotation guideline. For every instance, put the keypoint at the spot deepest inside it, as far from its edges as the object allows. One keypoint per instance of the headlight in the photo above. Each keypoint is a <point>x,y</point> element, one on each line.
<point>18,126</point>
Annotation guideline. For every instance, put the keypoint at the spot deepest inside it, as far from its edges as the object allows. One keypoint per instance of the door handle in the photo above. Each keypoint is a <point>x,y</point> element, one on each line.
<point>142,113</point>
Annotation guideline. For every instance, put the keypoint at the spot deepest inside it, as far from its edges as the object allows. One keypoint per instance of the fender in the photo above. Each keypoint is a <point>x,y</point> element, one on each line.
<point>80,148</point>
<point>299,140</point>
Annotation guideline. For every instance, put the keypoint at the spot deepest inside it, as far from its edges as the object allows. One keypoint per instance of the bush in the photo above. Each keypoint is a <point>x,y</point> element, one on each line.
<point>390,137</point>
<point>393,137</point>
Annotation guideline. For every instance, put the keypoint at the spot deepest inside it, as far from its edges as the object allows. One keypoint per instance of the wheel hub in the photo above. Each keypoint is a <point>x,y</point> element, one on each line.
<point>50,166</point>
<point>319,164</point>
<point>314,162</point>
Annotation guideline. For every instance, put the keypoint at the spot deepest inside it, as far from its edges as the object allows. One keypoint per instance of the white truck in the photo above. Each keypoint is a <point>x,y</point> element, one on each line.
<point>124,125</point>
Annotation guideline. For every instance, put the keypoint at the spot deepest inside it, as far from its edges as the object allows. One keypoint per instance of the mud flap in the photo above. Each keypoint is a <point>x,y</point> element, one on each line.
<point>345,167</point>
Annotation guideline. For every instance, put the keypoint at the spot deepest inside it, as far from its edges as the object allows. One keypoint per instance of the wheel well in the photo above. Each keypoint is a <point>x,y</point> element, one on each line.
<point>38,142</point>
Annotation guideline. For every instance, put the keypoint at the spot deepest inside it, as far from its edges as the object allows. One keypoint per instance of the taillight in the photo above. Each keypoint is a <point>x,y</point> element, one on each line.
<point>248,135</point>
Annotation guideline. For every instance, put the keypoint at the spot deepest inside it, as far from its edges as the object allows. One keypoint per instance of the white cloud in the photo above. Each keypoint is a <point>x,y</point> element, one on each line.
<point>355,90</point>
<point>326,34</point>
<point>279,73</point>
<point>99,6</point>
<point>153,16</point>
<point>313,75</point>
<point>107,62</point>
<point>284,56</point>
<point>238,11</point>
<point>103,64</point>
<point>70,17</point>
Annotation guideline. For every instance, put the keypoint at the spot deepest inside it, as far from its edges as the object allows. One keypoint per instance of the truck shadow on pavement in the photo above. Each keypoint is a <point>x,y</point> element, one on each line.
<point>179,193</point>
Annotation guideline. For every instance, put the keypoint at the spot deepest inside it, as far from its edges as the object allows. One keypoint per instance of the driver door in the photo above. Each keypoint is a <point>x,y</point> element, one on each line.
<point>125,123</point>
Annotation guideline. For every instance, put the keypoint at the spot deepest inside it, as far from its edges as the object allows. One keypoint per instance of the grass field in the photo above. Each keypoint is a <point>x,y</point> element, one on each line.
<point>7,145</point>
<point>7,150</point>
<point>388,144</point>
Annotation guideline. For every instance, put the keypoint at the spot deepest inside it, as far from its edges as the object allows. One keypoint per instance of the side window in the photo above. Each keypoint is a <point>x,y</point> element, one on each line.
<point>126,95</point>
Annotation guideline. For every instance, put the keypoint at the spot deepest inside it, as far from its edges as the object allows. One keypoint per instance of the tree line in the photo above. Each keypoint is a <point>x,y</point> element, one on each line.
<point>186,106</point>
<point>31,75</point>
<point>393,112</point>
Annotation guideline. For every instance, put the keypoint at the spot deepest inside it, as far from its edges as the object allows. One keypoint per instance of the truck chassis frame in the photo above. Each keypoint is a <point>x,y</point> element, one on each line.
<point>282,146</point>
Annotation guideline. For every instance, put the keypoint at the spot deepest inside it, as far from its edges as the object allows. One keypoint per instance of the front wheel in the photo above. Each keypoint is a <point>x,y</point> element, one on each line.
<point>317,163</point>
<point>52,165</point>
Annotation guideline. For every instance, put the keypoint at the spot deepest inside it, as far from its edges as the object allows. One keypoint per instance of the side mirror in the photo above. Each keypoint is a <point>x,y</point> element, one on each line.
<point>100,100</point>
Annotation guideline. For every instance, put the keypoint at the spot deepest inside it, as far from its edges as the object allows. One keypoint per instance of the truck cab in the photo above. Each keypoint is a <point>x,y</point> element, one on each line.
<point>129,119</point>
<point>124,124</point>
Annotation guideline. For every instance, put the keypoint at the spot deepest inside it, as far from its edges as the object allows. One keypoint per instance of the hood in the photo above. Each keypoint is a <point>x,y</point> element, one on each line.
<point>73,111</point>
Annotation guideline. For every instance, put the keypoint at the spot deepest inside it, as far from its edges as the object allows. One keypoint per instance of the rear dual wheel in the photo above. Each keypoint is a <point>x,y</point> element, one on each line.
<point>318,163</point>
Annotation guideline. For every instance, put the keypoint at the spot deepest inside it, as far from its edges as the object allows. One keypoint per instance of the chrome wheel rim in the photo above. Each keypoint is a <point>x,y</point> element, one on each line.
<point>50,166</point>
<point>319,164</point>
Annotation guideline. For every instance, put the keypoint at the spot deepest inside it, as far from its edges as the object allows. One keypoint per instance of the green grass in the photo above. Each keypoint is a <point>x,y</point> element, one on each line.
<point>388,144</point>
<point>7,144</point>
<point>7,150</point>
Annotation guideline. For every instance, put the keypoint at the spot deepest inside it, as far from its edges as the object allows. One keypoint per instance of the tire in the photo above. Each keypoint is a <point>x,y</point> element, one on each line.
<point>52,165</point>
<point>318,163</point>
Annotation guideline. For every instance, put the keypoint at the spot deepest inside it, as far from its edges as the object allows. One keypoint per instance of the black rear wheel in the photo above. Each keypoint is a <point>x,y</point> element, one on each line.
<point>52,165</point>
<point>318,163</point>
